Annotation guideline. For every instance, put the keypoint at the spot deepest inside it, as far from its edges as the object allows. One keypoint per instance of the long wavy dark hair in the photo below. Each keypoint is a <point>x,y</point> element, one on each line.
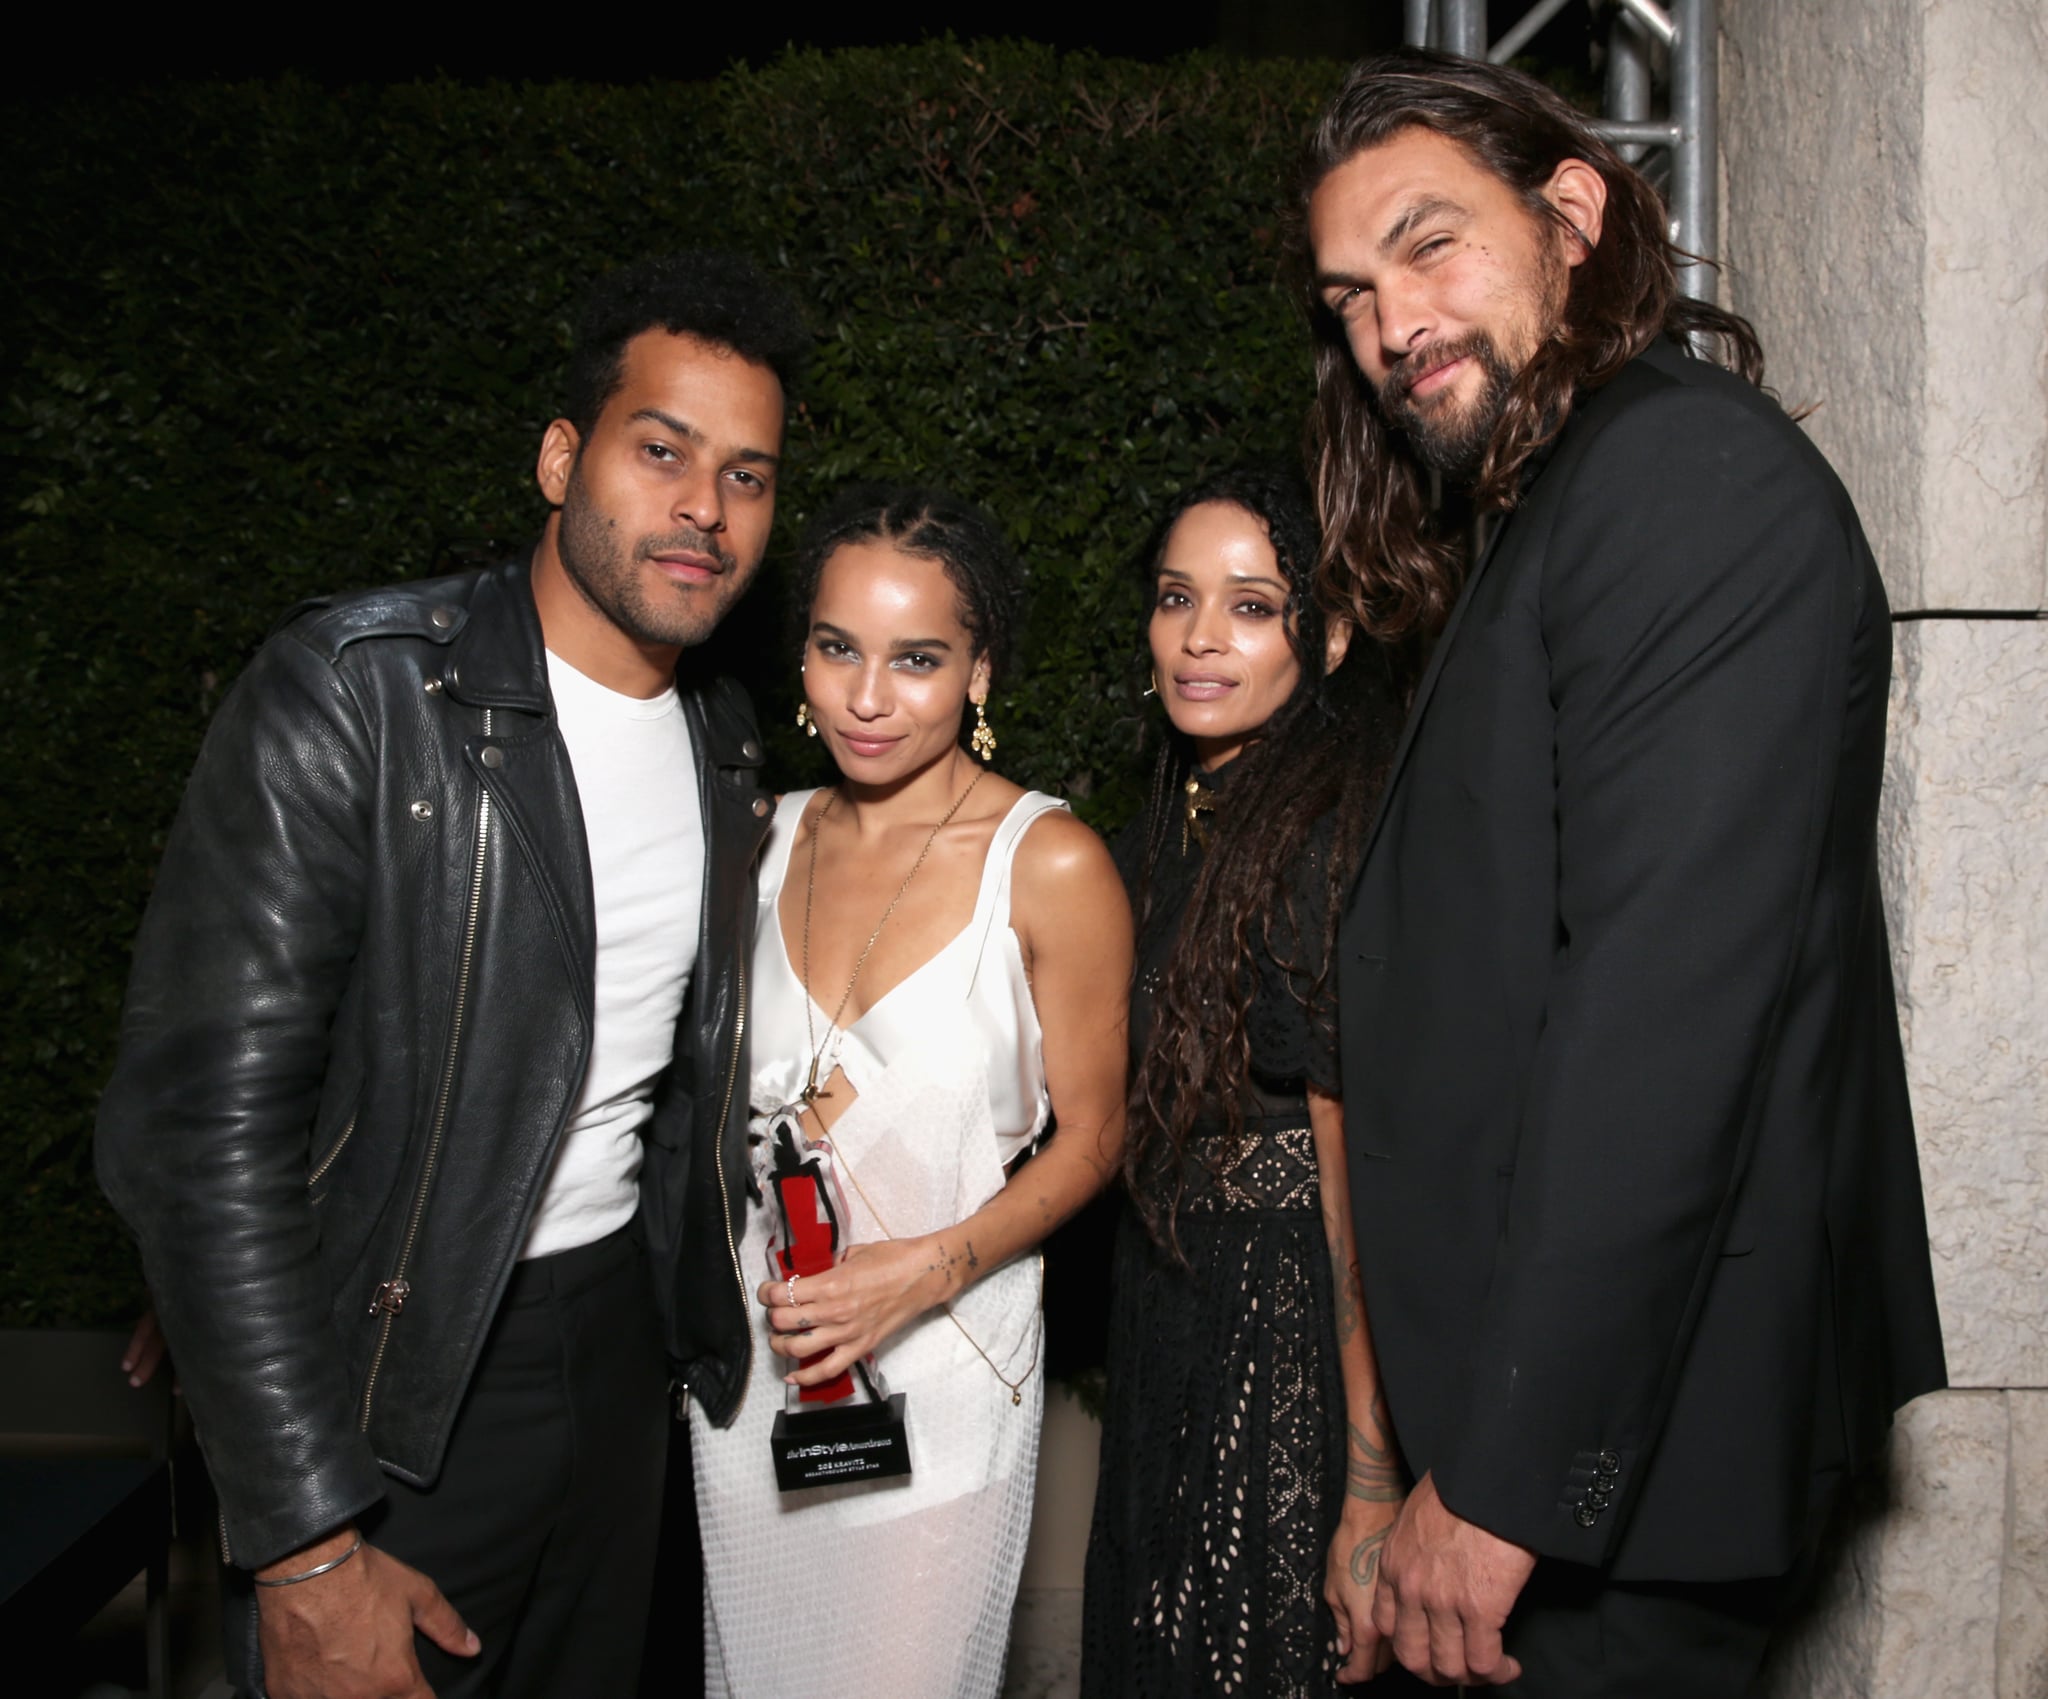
<point>1387,559</point>
<point>1322,757</point>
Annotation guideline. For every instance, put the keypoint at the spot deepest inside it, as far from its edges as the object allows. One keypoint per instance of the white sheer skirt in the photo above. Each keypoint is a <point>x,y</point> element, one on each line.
<point>897,1589</point>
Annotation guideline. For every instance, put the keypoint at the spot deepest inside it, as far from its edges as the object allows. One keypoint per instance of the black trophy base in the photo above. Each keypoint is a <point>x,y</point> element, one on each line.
<point>849,1442</point>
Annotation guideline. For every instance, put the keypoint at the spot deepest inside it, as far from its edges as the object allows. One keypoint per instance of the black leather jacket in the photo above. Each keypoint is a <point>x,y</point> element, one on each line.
<point>358,1019</point>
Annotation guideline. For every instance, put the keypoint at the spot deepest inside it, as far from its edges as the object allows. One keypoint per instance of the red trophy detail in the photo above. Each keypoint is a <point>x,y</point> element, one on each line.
<point>848,1428</point>
<point>812,1247</point>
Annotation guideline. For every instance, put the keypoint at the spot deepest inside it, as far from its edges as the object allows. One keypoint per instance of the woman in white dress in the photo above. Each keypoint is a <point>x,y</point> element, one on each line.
<point>946,957</point>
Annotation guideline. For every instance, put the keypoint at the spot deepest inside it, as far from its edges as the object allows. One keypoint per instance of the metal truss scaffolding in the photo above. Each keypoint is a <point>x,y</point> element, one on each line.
<point>1658,57</point>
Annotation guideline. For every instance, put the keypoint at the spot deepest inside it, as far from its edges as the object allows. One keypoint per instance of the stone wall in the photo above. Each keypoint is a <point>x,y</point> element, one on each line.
<point>1886,164</point>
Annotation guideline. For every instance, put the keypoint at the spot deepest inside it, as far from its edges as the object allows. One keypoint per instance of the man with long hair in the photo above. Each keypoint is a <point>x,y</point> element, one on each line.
<point>1632,1162</point>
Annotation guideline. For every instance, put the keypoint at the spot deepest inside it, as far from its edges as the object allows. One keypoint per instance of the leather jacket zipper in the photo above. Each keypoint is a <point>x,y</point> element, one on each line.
<point>389,1298</point>
<point>326,1162</point>
<point>739,1028</point>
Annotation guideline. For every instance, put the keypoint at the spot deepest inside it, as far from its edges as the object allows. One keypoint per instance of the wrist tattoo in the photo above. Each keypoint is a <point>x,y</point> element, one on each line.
<point>1375,1483</point>
<point>1371,1470</point>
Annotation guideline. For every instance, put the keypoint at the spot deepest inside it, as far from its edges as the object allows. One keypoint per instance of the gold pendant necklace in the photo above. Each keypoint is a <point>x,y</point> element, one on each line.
<point>1197,800</point>
<point>812,1090</point>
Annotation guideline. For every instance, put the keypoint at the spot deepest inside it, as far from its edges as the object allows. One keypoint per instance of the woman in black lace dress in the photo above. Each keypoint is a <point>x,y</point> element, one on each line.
<point>1248,1470</point>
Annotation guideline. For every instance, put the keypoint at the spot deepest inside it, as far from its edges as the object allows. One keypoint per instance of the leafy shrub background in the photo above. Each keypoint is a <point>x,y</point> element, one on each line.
<point>265,341</point>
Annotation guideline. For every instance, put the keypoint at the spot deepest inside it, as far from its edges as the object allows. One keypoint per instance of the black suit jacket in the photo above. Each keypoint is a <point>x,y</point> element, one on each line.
<point>1632,1162</point>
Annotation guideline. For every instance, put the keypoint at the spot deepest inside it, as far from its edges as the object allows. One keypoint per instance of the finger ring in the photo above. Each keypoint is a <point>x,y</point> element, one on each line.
<point>789,1290</point>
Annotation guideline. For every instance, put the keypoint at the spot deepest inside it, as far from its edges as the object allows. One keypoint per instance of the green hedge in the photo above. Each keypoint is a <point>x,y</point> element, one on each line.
<point>267,340</point>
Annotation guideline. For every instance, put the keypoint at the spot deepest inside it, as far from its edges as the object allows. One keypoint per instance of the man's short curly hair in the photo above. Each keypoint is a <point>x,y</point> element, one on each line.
<point>985,572</point>
<point>723,299</point>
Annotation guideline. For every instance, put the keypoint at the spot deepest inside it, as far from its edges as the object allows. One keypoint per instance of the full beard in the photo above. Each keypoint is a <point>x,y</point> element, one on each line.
<point>1449,439</point>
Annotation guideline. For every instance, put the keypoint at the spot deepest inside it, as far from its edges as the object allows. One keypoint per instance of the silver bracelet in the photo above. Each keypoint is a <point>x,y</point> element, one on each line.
<point>317,1569</point>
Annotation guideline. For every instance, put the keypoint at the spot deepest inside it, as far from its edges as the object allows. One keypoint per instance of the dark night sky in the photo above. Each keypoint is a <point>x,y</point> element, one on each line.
<point>629,46</point>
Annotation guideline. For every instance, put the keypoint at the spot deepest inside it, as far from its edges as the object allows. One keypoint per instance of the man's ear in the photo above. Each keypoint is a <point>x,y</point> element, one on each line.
<point>1336,644</point>
<point>1579,192</point>
<point>559,446</point>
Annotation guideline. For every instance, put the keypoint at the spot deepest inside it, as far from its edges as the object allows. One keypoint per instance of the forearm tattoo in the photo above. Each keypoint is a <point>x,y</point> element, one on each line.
<point>1350,1306</point>
<point>1371,1470</point>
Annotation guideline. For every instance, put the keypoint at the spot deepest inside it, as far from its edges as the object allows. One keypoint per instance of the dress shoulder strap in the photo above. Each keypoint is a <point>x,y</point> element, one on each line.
<point>789,812</point>
<point>992,903</point>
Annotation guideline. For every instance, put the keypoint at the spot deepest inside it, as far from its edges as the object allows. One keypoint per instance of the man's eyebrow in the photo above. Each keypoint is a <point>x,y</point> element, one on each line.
<point>691,434</point>
<point>1430,206</point>
<point>668,421</point>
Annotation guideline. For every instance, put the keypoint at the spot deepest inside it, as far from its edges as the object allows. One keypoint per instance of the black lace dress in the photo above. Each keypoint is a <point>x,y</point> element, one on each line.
<point>1222,1445</point>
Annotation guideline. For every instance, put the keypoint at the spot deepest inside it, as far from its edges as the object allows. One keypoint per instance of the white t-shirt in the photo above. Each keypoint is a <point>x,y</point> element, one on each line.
<point>636,776</point>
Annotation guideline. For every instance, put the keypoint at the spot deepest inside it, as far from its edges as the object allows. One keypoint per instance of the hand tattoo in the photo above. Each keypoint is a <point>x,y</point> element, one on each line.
<point>1365,1557</point>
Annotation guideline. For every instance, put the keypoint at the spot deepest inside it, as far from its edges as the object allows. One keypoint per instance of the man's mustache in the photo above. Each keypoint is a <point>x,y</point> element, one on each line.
<point>690,542</point>
<point>1414,366</point>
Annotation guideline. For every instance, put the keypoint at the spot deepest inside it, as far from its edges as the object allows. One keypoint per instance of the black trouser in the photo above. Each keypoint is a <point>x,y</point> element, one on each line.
<point>541,1528</point>
<point>1581,1636</point>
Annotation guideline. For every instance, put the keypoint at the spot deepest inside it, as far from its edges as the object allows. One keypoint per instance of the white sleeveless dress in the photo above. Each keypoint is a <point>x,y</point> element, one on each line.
<point>897,1589</point>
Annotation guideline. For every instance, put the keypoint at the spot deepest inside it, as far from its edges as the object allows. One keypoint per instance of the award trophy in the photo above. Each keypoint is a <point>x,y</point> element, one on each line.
<point>848,1428</point>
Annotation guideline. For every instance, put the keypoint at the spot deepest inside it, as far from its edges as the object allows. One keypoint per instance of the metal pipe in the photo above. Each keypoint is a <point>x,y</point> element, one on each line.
<point>1695,93</point>
<point>1524,32</point>
<point>1628,77</point>
<point>1651,133</point>
<point>1415,21</point>
<point>1655,19</point>
<point>1461,27</point>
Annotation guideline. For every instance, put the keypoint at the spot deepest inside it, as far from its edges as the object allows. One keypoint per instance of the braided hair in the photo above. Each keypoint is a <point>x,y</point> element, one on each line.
<point>986,575</point>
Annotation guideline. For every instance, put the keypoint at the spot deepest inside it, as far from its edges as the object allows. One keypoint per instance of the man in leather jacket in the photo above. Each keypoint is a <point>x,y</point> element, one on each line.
<point>430,1056</point>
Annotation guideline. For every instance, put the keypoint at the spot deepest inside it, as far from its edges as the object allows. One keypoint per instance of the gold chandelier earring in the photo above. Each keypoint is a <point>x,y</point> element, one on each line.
<point>983,742</point>
<point>803,718</point>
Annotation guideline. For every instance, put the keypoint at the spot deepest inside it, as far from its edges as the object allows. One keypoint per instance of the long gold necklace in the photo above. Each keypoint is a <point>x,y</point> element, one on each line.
<point>812,1090</point>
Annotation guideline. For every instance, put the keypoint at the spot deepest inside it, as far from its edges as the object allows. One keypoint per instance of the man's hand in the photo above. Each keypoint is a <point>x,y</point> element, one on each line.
<point>1445,1589</point>
<point>348,1634</point>
<point>145,1349</point>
